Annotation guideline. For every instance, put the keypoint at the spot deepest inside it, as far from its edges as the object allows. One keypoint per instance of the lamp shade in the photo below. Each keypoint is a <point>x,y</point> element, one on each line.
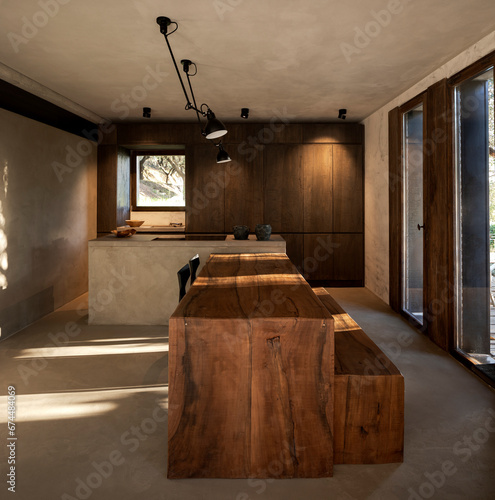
<point>222,156</point>
<point>214,127</point>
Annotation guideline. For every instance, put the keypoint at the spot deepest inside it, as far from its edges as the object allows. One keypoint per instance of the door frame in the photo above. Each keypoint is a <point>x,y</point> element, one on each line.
<point>396,202</point>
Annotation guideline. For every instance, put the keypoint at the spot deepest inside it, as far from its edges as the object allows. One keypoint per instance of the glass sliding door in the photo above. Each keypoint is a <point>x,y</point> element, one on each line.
<point>475,215</point>
<point>412,224</point>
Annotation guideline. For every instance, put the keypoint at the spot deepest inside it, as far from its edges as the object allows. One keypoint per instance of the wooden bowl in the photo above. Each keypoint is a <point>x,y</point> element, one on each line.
<point>123,233</point>
<point>134,223</point>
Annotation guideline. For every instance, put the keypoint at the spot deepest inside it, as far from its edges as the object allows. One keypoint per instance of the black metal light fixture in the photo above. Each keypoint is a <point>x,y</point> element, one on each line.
<point>245,113</point>
<point>342,113</point>
<point>214,128</point>
<point>222,156</point>
<point>146,112</point>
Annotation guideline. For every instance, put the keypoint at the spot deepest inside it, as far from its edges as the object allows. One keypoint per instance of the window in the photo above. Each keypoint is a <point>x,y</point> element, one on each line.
<point>412,242</point>
<point>475,214</point>
<point>158,180</point>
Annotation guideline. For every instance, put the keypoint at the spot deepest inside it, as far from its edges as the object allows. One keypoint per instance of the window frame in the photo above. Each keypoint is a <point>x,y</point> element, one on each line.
<point>133,191</point>
<point>474,70</point>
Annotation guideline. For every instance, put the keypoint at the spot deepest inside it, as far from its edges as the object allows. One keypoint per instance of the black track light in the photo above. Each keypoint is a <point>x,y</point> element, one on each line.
<point>342,113</point>
<point>245,113</point>
<point>146,112</point>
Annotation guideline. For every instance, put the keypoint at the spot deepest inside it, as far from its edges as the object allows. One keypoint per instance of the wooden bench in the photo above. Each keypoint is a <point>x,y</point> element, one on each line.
<point>369,395</point>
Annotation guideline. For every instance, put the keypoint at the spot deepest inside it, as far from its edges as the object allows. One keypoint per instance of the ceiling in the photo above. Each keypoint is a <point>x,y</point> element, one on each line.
<point>300,59</point>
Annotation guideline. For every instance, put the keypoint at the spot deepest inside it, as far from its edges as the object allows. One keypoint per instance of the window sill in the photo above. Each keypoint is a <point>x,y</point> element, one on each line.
<point>481,365</point>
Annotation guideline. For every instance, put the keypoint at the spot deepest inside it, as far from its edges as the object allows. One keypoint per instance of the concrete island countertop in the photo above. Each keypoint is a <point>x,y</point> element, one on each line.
<point>133,281</point>
<point>186,240</point>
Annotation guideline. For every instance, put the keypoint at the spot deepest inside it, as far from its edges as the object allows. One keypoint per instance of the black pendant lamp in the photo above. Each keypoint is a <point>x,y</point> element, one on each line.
<point>214,128</point>
<point>222,156</point>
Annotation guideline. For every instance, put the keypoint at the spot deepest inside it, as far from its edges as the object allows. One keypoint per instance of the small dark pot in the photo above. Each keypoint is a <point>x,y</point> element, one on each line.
<point>263,232</point>
<point>241,232</point>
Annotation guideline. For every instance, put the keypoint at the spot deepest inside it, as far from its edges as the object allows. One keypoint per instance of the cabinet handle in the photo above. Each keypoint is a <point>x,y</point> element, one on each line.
<point>421,227</point>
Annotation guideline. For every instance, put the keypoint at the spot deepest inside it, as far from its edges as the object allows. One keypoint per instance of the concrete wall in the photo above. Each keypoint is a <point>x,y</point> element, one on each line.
<point>376,169</point>
<point>47,215</point>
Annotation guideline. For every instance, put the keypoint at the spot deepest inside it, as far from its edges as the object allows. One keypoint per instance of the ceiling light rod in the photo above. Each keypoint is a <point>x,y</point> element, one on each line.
<point>214,127</point>
<point>186,64</point>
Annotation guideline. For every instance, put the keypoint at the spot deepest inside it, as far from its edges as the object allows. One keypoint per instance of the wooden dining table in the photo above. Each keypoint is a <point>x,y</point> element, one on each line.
<point>251,373</point>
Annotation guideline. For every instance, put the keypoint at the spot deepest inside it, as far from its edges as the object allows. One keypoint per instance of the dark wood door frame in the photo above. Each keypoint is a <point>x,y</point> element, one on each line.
<point>396,204</point>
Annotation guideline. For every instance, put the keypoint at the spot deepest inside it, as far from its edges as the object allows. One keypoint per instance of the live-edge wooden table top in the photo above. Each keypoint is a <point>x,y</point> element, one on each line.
<point>250,286</point>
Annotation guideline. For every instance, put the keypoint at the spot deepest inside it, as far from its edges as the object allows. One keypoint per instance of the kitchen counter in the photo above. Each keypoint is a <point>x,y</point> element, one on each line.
<point>133,281</point>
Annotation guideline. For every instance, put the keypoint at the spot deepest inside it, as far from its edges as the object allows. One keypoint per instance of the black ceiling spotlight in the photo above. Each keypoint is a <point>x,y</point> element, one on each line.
<point>342,113</point>
<point>146,112</point>
<point>245,113</point>
<point>214,128</point>
<point>222,156</point>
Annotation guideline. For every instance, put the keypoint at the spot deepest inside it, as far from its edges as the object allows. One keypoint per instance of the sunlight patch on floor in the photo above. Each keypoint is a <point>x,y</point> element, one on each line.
<point>75,404</point>
<point>91,350</point>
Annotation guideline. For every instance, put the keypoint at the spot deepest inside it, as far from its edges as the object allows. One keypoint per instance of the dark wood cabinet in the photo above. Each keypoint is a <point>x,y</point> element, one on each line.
<point>205,191</point>
<point>318,257</point>
<point>348,261</point>
<point>348,188</point>
<point>113,178</point>
<point>305,180</point>
<point>283,187</point>
<point>294,244</point>
<point>317,167</point>
<point>243,190</point>
<point>334,258</point>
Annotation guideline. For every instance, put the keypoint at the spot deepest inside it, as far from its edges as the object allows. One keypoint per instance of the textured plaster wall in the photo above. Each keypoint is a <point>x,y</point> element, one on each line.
<point>45,219</point>
<point>376,169</point>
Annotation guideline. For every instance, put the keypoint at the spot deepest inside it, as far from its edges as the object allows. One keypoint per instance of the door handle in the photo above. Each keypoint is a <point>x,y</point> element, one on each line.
<point>421,227</point>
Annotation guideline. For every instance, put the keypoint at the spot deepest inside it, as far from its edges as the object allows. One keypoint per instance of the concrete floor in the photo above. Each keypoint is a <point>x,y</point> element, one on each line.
<point>91,420</point>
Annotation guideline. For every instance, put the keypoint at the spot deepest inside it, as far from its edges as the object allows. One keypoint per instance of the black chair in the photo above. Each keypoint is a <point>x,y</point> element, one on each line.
<point>193,267</point>
<point>183,274</point>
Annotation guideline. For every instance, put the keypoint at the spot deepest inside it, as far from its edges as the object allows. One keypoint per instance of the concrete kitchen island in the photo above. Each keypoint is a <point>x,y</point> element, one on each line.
<point>133,281</point>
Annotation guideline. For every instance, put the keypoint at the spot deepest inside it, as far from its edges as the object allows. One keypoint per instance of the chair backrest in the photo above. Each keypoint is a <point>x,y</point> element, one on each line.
<point>193,267</point>
<point>183,274</point>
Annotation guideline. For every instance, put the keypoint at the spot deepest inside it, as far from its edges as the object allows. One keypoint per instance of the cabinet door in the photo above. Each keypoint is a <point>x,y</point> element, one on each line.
<point>348,188</point>
<point>317,166</point>
<point>318,256</point>
<point>334,257</point>
<point>243,190</point>
<point>283,187</point>
<point>205,190</point>
<point>348,257</point>
<point>295,249</point>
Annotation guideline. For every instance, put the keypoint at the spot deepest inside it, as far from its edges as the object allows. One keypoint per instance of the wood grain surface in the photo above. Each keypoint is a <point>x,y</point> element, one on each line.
<point>250,373</point>
<point>369,395</point>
